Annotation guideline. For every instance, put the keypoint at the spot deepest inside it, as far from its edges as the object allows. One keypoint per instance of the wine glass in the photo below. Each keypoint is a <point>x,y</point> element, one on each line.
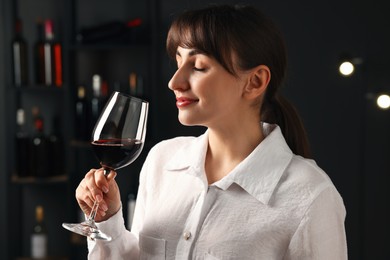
<point>117,140</point>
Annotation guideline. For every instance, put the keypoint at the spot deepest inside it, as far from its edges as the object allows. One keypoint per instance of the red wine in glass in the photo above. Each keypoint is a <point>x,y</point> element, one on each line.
<point>116,153</point>
<point>117,140</point>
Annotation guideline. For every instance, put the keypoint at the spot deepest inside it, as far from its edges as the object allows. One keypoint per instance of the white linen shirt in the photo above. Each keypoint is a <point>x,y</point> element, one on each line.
<point>273,205</point>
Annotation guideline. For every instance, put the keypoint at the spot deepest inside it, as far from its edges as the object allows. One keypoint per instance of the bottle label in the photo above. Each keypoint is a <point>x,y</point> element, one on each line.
<point>38,246</point>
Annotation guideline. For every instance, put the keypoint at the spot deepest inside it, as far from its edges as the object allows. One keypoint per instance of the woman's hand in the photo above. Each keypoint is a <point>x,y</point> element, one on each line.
<point>104,189</point>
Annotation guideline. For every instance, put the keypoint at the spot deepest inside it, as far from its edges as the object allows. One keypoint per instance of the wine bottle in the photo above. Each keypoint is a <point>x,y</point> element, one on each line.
<point>136,84</point>
<point>39,147</point>
<point>55,149</point>
<point>96,101</point>
<point>39,235</point>
<point>104,92</point>
<point>133,83</point>
<point>49,57</point>
<point>56,53</point>
<point>82,128</point>
<point>40,54</point>
<point>47,50</point>
<point>22,146</point>
<point>19,56</point>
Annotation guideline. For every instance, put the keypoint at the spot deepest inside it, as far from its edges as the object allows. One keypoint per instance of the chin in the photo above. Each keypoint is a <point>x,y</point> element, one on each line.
<point>187,121</point>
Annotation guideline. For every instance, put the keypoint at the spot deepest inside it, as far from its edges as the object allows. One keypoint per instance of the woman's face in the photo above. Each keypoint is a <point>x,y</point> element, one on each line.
<point>206,94</point>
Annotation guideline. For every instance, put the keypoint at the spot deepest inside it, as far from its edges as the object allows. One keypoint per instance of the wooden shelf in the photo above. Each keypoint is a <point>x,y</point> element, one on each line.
<point>107,46</point>
<point>34,180</point>
<point>38,88</point>
<point>46,258</point>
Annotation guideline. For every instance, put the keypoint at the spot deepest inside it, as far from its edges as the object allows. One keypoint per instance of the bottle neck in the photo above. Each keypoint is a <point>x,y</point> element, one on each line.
<point>96,85</point>
<point>40,30</point>
<point>20,118</point>
<point>81,93</point>
<point>38,124</point>
<point>38,120</point>
<point>39,214</point>
<point>18,28</point>
<point>49,30</point>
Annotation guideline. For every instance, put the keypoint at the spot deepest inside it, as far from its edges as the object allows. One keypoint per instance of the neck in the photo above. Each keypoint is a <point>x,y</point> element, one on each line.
<point>228,147</point>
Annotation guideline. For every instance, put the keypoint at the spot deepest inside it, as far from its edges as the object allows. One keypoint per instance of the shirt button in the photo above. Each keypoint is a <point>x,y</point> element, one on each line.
<point>187,235</point>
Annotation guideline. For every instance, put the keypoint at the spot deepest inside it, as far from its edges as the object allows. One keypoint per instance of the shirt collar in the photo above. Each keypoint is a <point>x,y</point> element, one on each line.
<point>192,156</point>
<point>258,174</point>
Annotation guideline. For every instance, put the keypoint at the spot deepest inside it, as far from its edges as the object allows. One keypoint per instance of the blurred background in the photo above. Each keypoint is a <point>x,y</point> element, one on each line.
<point>59,60</point>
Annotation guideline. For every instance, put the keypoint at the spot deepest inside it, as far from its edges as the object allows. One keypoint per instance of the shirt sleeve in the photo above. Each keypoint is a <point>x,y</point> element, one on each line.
<point>321,233</point>
<point>124,244</point>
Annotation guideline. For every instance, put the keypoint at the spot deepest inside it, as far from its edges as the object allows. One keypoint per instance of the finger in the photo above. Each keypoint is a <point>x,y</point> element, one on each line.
<point>87,193</point>
<point>84,198</point>
<point>87,210</point>
<point>101,180</point>
<point>101,213</point>
<point>111,180</point>
<point>90,185</point>
<point>90,173</point>
<point>89,182</point>
<point>86,203</point>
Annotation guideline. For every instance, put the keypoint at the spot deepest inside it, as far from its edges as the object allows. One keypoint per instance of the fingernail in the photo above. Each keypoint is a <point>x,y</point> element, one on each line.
<point>99,198</point>
<point>104,207</point>
<point>105,189</point>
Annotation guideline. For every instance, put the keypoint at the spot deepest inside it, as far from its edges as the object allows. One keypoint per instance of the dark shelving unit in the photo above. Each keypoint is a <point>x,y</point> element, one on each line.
<point>114,61</point>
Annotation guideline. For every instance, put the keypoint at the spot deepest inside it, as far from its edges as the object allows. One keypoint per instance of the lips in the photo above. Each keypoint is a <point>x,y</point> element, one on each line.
<point>184,101</point>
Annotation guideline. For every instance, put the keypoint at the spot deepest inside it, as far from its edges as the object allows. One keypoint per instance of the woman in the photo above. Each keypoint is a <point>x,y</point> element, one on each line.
<point>245,188</point>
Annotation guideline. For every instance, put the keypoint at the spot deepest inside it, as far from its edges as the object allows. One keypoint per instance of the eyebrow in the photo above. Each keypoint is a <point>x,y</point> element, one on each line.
<point>191,53</point>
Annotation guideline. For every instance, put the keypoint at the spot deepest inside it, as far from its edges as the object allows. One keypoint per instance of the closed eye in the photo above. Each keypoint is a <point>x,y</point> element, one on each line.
<point>199,69</point>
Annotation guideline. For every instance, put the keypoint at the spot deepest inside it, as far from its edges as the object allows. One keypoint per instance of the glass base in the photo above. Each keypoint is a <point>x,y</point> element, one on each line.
<point>88,229</point>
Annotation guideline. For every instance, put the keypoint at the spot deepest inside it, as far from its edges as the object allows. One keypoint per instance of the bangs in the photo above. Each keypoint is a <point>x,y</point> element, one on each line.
<point>198,30</point>
<point>186,36</point>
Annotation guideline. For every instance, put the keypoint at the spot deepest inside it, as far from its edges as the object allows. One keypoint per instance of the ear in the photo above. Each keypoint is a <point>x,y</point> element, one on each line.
<point>258,81</point>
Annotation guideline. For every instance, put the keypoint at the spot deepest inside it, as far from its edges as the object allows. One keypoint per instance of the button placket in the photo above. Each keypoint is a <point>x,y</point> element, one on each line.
<point>189,232</point>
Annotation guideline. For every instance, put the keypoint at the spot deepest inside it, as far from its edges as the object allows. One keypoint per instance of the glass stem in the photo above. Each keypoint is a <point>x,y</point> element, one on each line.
<point>106,172</point>
<point>91,217</point>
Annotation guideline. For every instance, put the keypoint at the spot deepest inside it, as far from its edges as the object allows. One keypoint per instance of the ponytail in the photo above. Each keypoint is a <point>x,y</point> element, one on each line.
<point>280,111</point>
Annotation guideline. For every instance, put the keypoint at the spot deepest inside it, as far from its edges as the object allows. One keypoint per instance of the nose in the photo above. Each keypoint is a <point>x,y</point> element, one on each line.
<point>179,80</point>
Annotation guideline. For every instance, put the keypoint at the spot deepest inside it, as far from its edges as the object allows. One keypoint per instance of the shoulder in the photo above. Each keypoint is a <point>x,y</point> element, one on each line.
<point>307,171</point>
<point>304,178</point>
<point>305,187</point>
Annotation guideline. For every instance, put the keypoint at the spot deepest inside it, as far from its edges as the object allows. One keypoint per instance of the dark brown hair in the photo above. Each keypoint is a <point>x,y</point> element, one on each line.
<point>223,30</point>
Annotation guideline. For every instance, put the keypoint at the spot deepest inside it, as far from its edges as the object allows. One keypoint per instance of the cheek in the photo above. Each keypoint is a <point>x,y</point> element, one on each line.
<point>201,86</point>
<point>215,87</point>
